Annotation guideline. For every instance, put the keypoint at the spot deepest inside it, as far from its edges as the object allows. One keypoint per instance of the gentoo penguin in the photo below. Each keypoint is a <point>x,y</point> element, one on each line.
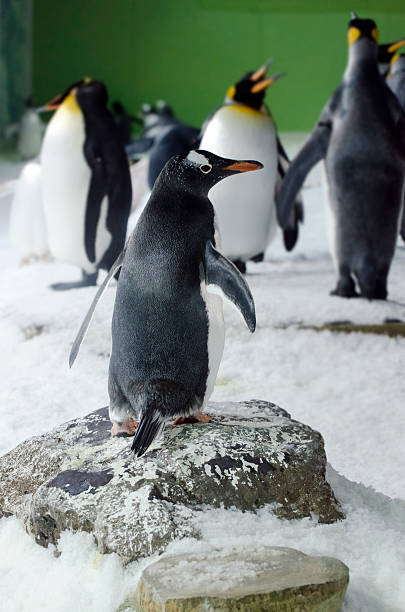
<point>86,185</point>
<point>27,219</point>
<point>30,132</point>
<point>167,329</point>
<point>243,126</point>
<point>396,82</point>
<point>361,136</point>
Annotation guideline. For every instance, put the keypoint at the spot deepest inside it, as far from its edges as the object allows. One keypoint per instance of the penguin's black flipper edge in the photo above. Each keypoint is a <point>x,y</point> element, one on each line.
<point>96,193</point>
<point>313,151</point>
<point>87,319</point>
<point>291,231</point>
<point>221,272</point>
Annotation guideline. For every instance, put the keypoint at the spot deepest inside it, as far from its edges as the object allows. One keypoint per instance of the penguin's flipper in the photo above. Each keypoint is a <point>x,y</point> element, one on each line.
<point>291,231</point>
<point>313,151</point>
<point>95,195</point>
<point>87,319</point>
<point>221,272</point>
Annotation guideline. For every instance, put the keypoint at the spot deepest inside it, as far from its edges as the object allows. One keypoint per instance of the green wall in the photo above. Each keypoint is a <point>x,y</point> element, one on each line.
<point>189,52</point>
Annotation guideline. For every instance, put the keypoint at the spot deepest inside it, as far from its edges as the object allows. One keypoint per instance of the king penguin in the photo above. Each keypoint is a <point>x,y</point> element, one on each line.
<point>167,329</point>
<point>361,136</point>
<point>243,126</point>
<point>86,185</point>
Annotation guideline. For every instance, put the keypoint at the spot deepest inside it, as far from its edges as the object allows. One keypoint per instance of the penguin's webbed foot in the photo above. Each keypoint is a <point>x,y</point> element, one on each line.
<point>195,418</point>
<point>125,430</point>
<point>345,288</point>
<point>88,280</point>
<point>258,258</point>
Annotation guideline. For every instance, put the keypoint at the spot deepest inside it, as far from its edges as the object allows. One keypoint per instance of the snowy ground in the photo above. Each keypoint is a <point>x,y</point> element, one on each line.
<point>350,387</point>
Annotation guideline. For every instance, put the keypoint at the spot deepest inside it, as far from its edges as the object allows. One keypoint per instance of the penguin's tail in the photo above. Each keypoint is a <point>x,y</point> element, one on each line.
<point>150,427</point>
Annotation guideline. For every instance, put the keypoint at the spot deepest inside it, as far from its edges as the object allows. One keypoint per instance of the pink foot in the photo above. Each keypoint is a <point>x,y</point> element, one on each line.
<point>194,418</point>
<point>127,428</point>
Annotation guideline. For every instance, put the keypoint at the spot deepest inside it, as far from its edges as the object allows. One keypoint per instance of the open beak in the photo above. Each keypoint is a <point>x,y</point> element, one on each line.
<point>244,166</point>
<point>264,84</point>
<point>261,72</point>
<point>396,46</point>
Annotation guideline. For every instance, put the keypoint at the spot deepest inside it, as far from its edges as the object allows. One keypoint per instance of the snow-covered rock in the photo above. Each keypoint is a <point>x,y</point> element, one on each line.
<point>270,578</point>
<point>77,477</point>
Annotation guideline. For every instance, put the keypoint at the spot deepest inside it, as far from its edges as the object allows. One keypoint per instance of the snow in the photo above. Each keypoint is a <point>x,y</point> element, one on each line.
<point>350,387</point>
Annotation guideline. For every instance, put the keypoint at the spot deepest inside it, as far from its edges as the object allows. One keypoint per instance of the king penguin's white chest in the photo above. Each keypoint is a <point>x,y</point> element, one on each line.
<point>244,204</point>
<point>65,185</point>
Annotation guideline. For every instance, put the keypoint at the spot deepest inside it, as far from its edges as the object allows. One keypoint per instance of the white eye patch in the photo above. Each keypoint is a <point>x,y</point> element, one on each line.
<point>197,159</point>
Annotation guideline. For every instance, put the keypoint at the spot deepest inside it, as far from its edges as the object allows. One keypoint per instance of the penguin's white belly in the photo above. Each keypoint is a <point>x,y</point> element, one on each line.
<point>65,185</point>
<point>245,203</point>
<point>27,221</point>
<point>216,338</point>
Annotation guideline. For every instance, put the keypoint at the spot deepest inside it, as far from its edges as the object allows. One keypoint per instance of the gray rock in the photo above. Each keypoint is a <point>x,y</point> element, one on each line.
<point>78,477</point>
<point>271,578</point>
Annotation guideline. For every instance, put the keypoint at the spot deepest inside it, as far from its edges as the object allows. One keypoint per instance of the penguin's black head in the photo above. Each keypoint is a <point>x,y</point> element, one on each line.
<point>88,93</point>
<point>197,171</point>
<point>361,28</point>
<point>163,109</point>
<point>91,96</point>
<point>251,89</point>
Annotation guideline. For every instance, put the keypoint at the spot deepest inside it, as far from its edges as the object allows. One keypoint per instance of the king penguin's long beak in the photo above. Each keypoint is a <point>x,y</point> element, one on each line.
<point>261,72</point>
<point>244,166</point>
<point>396,45</point>
<point>263,84</point>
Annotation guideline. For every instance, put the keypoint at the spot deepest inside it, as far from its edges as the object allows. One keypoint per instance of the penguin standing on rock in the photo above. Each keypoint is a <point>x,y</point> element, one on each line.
<point>361,136</point>
<point>86,185</point>
<point>167,329</point>
<point>243,126</point>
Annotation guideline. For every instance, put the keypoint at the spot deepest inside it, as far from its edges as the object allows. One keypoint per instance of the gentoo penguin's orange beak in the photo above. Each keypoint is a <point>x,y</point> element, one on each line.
<point>263,84</point>
<point>396,46</point>
<point>244,166</point>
